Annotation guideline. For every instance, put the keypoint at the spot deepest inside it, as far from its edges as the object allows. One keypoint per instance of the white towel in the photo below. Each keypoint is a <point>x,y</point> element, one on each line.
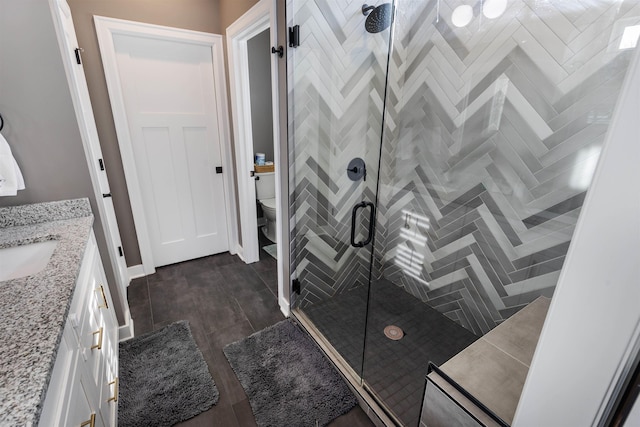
<point>11,179</point>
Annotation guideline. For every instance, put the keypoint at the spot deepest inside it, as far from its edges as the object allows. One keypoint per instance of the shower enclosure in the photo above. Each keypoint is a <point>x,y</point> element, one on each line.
<point>440,152</point>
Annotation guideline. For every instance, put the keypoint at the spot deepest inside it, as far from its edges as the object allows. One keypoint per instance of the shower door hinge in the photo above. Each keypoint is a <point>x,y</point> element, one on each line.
<point>294,36</point>
<point>295,286</point>
<point>101,164</point>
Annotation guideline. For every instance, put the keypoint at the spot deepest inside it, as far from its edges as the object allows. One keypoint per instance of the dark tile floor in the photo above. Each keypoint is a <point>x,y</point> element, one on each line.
<point>394,370</point>
<point>224,300</point>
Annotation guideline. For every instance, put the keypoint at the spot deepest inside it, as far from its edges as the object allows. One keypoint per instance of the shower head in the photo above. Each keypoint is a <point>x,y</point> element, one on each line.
<point>378,18</point>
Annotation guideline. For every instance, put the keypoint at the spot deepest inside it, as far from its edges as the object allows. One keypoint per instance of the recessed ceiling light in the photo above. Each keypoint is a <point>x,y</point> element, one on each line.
<point>462,15</point>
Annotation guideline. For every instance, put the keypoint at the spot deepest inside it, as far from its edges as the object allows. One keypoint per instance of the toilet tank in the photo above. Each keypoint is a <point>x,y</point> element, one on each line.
<point>265,185</point>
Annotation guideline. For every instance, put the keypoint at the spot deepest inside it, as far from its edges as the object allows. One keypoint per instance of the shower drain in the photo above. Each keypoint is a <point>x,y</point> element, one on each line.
<point>393,332</point>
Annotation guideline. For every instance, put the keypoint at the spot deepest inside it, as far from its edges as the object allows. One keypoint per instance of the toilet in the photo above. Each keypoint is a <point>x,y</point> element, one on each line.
<point>266,195</point>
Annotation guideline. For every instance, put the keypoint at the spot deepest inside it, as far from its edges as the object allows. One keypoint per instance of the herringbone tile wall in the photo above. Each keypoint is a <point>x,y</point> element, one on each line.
<point>491,136</point>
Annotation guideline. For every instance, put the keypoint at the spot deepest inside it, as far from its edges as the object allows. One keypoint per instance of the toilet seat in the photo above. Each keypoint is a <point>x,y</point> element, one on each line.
<point>269,203</point>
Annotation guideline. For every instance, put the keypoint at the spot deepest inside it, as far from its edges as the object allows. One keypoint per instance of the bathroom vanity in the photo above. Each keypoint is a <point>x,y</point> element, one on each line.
<point>59,341</point>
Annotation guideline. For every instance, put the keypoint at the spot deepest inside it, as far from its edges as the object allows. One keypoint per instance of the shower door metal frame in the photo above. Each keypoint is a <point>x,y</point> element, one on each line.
<point>356,380</point>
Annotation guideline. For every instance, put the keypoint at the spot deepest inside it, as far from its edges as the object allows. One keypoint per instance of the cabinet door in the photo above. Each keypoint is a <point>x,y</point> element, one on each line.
<point>81,411</point>
<point>101,306</point>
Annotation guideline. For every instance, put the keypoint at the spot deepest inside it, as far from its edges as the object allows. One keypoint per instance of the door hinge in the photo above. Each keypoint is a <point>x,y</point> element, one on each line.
<point>77,52</point>
<point>101,163</point>
<point>218,169</point>
<point>294,36</point>
<point>279,51</point>
<point>120,251</point>
<point>295,286</point>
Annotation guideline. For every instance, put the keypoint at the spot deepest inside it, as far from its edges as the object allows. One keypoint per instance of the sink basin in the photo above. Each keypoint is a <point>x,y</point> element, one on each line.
<point>25,260</point>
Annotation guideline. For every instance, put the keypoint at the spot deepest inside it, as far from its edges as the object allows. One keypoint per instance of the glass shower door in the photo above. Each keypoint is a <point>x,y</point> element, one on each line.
<point>494,120</point>
<point>337,84</point>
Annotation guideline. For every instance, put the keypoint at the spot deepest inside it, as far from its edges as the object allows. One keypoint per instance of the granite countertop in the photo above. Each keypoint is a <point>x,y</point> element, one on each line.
<point>33,309</point>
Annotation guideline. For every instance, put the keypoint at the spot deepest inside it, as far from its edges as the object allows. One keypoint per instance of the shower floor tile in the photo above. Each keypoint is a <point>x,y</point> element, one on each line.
<point>393,370</point>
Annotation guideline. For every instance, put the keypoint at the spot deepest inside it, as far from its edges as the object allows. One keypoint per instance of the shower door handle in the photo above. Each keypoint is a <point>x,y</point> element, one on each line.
<point>354,213</point>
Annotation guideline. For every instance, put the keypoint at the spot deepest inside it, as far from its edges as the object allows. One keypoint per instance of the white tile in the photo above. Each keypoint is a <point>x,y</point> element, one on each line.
<point>541,57</point>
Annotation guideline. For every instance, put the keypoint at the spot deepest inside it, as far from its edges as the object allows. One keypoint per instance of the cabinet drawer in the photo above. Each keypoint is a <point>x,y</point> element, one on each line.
<point>87,360</point>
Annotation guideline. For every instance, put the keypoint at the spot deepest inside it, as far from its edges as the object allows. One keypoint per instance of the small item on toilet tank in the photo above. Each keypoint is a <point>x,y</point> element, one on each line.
<point>268,163</point>
<point>260,158</point>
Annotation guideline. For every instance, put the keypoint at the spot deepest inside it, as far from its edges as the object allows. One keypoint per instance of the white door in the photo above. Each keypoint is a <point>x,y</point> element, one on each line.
<point>71,55</point>
<point>170,101</point>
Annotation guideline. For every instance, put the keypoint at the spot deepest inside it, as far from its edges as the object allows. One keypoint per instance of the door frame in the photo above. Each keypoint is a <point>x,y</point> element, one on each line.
<point>262,16</point>
<point>89,135</point>
<point>106,29</point>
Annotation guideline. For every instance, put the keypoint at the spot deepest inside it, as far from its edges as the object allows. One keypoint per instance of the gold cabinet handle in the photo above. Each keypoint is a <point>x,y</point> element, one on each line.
<point>104,298</point>
<point>91,422</point>
<point>115,391</point>
<point>99,345</point>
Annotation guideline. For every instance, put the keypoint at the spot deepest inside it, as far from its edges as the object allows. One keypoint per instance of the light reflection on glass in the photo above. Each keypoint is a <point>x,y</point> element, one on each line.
<point>629,38</point>
<point>585,167</point>
<point>414,231</point>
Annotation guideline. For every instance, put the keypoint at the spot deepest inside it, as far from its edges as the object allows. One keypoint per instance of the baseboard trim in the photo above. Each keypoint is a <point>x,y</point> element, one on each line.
<point>126,331</point>
<point>284,307</point>
<point>234,249</point>
<point>240,253</point>
<point>135,272</point>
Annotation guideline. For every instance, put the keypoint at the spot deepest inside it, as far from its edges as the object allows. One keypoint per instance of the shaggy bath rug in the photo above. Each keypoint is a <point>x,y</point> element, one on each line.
<point>288,380</point>
<point>163,378</point>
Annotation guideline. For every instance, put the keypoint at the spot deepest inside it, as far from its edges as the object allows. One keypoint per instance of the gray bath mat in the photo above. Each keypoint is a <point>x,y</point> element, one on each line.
<point>288,380</point>
<point>163,378</point>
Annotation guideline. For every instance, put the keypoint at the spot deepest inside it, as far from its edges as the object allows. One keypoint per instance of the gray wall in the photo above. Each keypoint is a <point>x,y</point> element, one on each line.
<point>40,122</point>
<point>260,85</point>
<point>212,16</point>
<point>199,15</point>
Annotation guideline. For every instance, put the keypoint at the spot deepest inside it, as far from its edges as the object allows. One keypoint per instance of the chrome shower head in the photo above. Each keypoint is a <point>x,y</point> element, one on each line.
<point>378,18</point>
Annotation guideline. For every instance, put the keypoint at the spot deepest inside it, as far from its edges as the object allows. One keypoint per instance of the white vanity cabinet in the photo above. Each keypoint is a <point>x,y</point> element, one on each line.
<point>83,390</point>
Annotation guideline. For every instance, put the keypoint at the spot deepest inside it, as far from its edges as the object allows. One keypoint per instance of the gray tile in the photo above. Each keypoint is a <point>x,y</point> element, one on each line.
<point>138,292</point>
<point>260,308</point>
<point>170,300</point>
<point>490,375</point>
<point>218,310</point>
<point>519,335</point>
<point>244,414</point>
<point>220,337</point>
<point>142,320</point>
<point>354,418</point>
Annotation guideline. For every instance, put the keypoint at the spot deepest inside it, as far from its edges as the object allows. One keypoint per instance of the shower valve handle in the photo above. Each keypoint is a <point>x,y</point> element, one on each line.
<point>357,170</point>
